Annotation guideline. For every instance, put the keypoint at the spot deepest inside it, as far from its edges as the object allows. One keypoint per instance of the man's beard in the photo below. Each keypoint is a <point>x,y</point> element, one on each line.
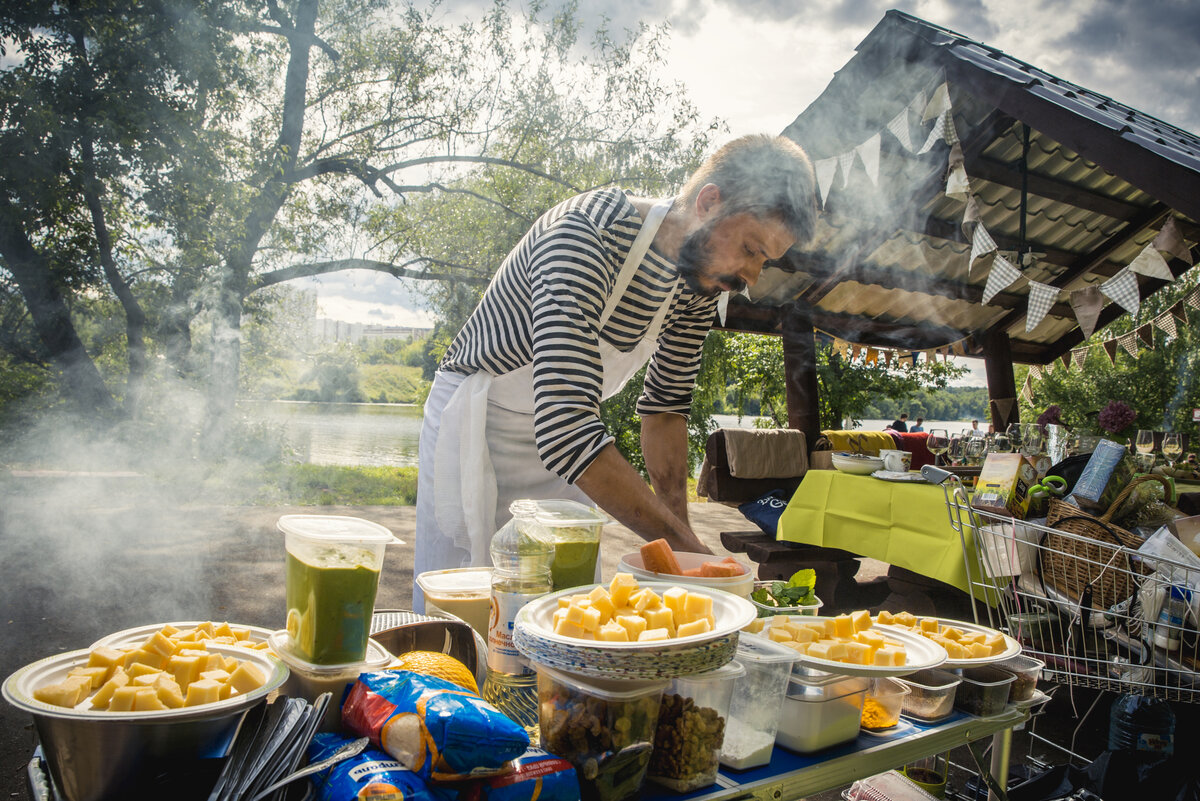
<point>695,260</point>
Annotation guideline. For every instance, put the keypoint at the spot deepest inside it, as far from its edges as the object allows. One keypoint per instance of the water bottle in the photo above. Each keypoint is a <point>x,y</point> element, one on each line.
<point>521,561</point>
<point>1141,723</point>
<point>1171,617</point>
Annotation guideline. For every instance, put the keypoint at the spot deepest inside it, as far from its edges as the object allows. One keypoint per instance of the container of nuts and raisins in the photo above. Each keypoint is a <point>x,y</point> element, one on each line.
<point>604,727</point>
<point>691,728</point>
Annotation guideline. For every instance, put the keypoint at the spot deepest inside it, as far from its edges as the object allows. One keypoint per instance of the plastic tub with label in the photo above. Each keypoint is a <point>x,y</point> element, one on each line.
<point>464,592</point>
<point>821,712</point>
<point>757,702</point>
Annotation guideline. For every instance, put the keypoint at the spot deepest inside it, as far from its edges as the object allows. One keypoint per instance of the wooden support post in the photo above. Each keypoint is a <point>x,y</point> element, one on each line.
<point>1002,386</point>
<point>800,369</point>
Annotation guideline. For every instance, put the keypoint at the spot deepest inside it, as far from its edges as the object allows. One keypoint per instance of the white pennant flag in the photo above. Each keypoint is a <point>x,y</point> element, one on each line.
<point>981,245</point>
<point>1001,276</point>
<point>1080,356</point>
<point>1150,262</point>
<point>845,162</point>
<point>868,151</point>
<point>1035,370</point>
<point>1122,288</point>
<point>936,134</point>
<point>1041,298</point>
<point>957,184</point>
<point>899,128</point>
<point>825,169</point>
<point>1129,343</point>
<point>1166,321</point>
<point>949,132</point>
<point>1027,390</point>
<point>938,104</point>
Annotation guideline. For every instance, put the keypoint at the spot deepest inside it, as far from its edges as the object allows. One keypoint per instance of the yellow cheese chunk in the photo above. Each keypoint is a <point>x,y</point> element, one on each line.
<point>701,626</point>
<point>104,695</point>
<point>978,650</point>
<point>861,620</point>
<point>207,628</point>
<point>675,598</point>
<point>884,618</point>
<point>661,618</point>
<point>621,588</point>
<point>602,603</point>
<point>188,635</point>
<point>778,634</point>
<point>95,675</point>
<point>108,658</point>
<point>871,638</point>
<point>559,614</point>
<point>168,630</point>
<point>697,606</point>
<point>229,664</point>
<point>123,697</point>
<point>169,692</point>
<point>843,627</point>
<point>612,631</point>
<point>890,656</point>
<point>591,619</point>
<point>147,679</point>
<point>805,634</point>
<point>202,691</point>
<point>565,628</point>
<point>574,614</point>
<point>186,669</point>
<point>969,637</point>
<point>822,649</point>
<point>145,699</point>
<point>135,669</point>
<point>161,644</point>
<point>799,647</point>
<point>654,635</point>
<point>241,634</point>
<point>786,625</point>
<point>929,624</point>
<point>906,619</point>
<point>67,693</point>
<point>996,643</point>
<point>858,654</point>
<point>951,633</point>
<point>755,626</point>
<point>634,624</point>
<point>143,657</point>
<point>640,600</point>
<point>221,676</point>
<point>223,630</point>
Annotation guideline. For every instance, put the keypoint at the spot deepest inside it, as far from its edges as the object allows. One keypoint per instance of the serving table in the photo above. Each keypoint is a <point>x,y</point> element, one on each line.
<point>794,776</point>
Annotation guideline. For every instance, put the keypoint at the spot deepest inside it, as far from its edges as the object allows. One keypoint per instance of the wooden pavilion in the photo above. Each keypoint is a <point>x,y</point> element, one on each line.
<point>1070,185</point>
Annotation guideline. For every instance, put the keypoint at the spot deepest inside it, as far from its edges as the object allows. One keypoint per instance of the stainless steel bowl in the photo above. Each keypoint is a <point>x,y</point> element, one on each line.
<point>93,754</point>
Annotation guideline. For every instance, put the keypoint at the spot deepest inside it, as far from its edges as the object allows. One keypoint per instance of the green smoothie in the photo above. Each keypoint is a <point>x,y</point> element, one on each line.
<point>574,563</point>
<point>330,599</point>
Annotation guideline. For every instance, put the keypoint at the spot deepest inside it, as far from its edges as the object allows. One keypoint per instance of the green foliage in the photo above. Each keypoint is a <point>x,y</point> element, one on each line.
<point>336,376</point>
<point>328,485</point>
<point>950,403</point>
<point>392,383</point>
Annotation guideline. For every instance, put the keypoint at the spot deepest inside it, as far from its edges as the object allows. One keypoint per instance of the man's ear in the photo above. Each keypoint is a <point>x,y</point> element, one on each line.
<point>708,201</point>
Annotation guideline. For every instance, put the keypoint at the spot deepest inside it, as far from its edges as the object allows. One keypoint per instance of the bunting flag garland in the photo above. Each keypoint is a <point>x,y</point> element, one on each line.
<point>1177,311</point>
<point>1170,242</point>
<point>855,351</point>
<point>899,128</point>
<point>1122,288</point>
<point>1066,361</point>
<point>958,186</point>
<point>1080,356</point>
<point>1027,391</point>
<point>825,170</point>
<point>1150,262</point>
<point>1166,323</point>
<point>982,245</point>
<point>1110,347</point>
<point>868,152</point>
<point>1041,298</point>
<point>1087,303</point>
<point>872,356</point>
<point>1193,299</point>
<point>1128,343</point>
<point>845,163</point>
<point>1004,407</point>
<point>1035,370</point>
<point>1003,274</point>
<point>939,103</point>
<point>1146,334</point>
<point>971,217</point>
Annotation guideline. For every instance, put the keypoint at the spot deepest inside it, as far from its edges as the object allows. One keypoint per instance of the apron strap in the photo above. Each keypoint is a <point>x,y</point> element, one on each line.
<point>637,252</point>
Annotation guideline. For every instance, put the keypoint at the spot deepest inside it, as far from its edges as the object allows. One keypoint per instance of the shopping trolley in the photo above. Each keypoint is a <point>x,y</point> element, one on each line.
<point>1091,608</point>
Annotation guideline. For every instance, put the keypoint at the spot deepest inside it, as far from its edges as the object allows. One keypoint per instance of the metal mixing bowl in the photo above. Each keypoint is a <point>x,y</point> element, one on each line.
<point>93,754</point>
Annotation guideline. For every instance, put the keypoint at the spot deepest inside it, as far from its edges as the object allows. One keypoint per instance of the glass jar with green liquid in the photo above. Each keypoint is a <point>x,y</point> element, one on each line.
<point>574,530</point>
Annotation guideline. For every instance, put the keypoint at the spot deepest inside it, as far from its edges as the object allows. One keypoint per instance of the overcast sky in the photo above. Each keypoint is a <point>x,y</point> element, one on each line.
<point>757,64</point>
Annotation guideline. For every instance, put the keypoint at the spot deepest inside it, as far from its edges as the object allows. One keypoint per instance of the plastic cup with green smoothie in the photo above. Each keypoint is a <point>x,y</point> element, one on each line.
<point>575,531</point>
<point>332,575</point>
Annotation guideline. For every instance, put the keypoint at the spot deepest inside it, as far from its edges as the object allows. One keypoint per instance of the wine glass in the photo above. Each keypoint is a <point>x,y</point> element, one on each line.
<point>1001,443</point>
<point>1014,435</point>
<point>938,442</point>
<point>975,450</point>
<point>1172,448</point>
<point>1144,443</point>
<point>955,452</point>
<point>1031,439</point>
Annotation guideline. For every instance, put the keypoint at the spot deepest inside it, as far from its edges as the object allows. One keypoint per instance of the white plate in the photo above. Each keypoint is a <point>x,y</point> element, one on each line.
<point>533,635</point>
<point>856,464</point>
<point>909,475</point>
<point>1012,647</point>
<point>921,653</point>
<point>135,636</point>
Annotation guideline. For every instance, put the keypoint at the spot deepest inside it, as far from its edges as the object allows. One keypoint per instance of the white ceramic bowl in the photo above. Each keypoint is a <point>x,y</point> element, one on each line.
<point>857,463</point>
<point>738,585</point>
<point>533,635</point>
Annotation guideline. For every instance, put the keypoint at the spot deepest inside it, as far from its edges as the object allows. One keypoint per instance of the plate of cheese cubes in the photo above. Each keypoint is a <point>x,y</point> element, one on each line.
<point>632,629</point>
<point>851,645</point>
<point>965,643</point>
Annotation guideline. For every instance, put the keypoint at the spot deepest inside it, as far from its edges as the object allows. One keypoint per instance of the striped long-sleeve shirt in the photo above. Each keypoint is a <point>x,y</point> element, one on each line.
<point>544,305</point>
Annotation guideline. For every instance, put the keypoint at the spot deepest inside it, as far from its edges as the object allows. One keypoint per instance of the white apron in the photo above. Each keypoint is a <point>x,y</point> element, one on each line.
<point>478,452</point>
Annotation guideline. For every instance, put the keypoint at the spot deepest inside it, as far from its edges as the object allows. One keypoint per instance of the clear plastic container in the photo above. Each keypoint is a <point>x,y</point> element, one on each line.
<point>821,712</point>
<point>333,566</point>
<point>881,707</point>
<point>691,728</point>
<point>767,611</point>
<point>605,728</point>
<point>574,529</point>
<point>1027,670</point>
<point>738,585</point>
<point>984,690</point>
<point>757,702</point>
<point>465,592</point>
<point>931,694</point>
<point>306,680</point>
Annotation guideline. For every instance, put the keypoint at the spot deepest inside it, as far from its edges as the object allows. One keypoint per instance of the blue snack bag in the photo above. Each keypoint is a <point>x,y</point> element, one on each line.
<point>370,774</point>
<point>432,726</point>
<point>536,776</point>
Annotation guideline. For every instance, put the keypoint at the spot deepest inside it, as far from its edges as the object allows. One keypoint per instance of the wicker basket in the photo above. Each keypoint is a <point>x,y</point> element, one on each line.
<point>1092,552</point>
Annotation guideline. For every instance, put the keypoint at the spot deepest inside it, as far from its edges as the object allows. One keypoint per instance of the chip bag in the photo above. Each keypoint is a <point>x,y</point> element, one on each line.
<point>536,776</point>
<point>371,774</point>
<point>431,726</point>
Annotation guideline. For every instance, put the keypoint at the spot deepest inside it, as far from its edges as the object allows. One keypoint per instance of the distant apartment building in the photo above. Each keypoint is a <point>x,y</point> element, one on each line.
<point>326,330</point>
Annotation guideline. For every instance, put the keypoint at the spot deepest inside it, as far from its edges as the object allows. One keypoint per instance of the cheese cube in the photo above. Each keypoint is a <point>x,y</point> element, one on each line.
<point>822,628</point>
<point>930,624</point>
<point>221,676</point>
<point>229,664</point>
<point>206,628</point>
<point>755,626</point>
<point>136,669</point>
<point>996,643</point>
<point>108,658</point>
<point>676,599</point>
<point>697,605</point>
<point>95,675</point>
<point>800,647</point>
<point>602,603</point>
<point>187,635</point>
<point>661,618</point>
<point>822,649</point>
<point>563,602</point>
<point>168,630</point>
<point>559,614</point>
<point>591,619</point>
<point>186,669</point>
<point>778,634</point>
<point>574,614</point>
<point>954,650</point>
<point>634,624</point>
<point>640,600</point>
<point>104,695</point>
<point>653,635</point>
<point>884,618</point>
<point>786,625</point>
<point>871,638</point>
<point>804,634</point>
<point>169,692</point>
<point>224,630</point>
<point>906,619</point>
<point>889,656</point>
<point>145,699</point>
<point>843,627</point>
<point>67,693</point>
<point>621,588</point>
<point>202,691</point>
<point>241,634</point>
<point>700,626</point>
<point>160,643</point>
<point>566,628</point>
<point>951,633</point>
<point>978,650</point>
<point>152,659</point>
<point>861,620</point>
<point>858,653</point>
<point>123,697</point>
<point>612,631</point>
<point>147,679</point>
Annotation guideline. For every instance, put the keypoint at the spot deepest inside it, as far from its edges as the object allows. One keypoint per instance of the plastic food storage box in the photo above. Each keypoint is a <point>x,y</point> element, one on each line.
<point>605,728</point>
<point>821,712</point>
<point>881,707</point>
<point>984,690</point>
<point>931,694</point>
<point>691,728</point>
<point>764,610</point>
<point>1027,670</point>
<point>306,680</point>
<point>757,702</point>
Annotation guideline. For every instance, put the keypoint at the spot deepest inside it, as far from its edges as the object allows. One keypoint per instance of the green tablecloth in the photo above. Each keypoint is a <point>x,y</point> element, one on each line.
<point>903,524</point>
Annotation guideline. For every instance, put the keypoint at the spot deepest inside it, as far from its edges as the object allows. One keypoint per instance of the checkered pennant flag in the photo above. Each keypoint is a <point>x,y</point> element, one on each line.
<point>1193,299</point>
<point>825,170</point>
<point>981,245</point>
<point>845,163</point>
<point>1079,355</point>
<point>1041,298</point>
<point>943,130</point>
<point>900,129</point>
<point>1001,276</point>
<point>1128,343</point>
<point>1166,322</point>
<point>1122,288</point>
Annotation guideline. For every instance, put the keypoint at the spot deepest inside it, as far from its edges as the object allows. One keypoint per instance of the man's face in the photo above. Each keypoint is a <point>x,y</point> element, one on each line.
<point>726,253</point>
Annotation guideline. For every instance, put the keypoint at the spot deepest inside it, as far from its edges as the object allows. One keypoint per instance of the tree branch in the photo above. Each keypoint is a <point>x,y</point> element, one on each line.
<point>398,270</point>
<point>529,168</point>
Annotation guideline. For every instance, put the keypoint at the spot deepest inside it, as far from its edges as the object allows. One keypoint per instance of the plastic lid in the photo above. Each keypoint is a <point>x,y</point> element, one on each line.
<point>377,657</point>
<point>728,671</point>
<point>561,513</point>
<point>336,528</point>
<point>608,689</point>
<point>460,580</point>
<point>753,648</point>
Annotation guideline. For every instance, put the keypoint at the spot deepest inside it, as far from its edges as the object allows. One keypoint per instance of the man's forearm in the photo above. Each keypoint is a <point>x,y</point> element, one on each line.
<point>612,483</point>
<point>664,447</point>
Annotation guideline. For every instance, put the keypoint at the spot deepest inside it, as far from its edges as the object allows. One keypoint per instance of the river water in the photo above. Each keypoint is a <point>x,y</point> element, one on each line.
<point>386,434</point>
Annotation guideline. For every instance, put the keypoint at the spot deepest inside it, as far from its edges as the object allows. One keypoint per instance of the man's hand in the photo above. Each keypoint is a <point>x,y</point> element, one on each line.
<point>612,483</point>
<point>664,447</point>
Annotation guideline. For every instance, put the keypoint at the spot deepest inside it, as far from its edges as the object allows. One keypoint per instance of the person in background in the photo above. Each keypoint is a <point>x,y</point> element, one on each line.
<point>975,429</point>
<point>900,425</point>
<point>916,427</point>
<point>600,283</point>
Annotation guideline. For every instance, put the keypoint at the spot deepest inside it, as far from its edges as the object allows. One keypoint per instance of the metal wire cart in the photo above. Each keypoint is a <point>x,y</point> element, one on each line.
<point>1099,606</point>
